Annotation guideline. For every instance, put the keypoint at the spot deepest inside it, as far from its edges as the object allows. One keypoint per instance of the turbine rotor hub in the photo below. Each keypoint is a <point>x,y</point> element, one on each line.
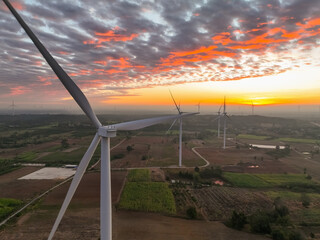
<point>107,131</point>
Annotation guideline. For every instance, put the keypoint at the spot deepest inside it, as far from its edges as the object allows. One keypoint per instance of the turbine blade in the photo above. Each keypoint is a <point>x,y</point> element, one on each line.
<point>216,118</point>
<point>178,107</point>
<point>75,182</point>
<point>171,125</point>
<point>138,124</point>
<point>68,83</point>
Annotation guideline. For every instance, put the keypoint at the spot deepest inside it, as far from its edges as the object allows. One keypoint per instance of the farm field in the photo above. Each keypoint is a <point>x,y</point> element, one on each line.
<point>218,203</point>
<point>268,180</point>
<point>141,194</point>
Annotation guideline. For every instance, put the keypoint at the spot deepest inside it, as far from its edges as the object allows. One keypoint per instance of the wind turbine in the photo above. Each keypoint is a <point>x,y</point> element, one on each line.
<point>225,116</point>
<point>180,126</point>
<point>219,118</point>
<point>252,105</point>
<point>13,108</point>
<point>104,133</point>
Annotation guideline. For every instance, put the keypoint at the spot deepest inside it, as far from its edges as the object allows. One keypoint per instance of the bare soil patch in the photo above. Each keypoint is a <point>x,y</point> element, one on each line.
<point>11,187</point>
<point>88,192</point>
<point>11,176</point>
<point>83,224</point>
<point>246,160</point>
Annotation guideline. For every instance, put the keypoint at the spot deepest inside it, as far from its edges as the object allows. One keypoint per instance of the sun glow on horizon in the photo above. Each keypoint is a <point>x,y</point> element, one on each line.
<point>284,88</point>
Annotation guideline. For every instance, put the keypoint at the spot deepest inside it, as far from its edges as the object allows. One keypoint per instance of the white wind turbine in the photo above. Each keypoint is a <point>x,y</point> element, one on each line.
<point>104,133</point>
<point>219,119</point>
<point>13,108</point>
<point>252,107</point>
<point>180,126</point>
<point>225,116</point>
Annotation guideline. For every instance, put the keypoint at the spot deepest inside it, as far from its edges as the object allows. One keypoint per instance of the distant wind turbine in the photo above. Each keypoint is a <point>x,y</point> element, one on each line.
<point>252,107</point>
<point>219,119</point>
<point>104,133</point>
<point>225,116</point>
<point>13,108</point>
<point>180,126</point>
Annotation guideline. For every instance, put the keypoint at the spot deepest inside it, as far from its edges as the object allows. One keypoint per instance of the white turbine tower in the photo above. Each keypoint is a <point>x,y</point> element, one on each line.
<point>104,133</point>
<point>180,126</point>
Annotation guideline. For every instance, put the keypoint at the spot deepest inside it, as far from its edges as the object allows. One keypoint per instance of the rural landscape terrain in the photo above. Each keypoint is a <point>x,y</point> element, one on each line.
<point>264,185</point>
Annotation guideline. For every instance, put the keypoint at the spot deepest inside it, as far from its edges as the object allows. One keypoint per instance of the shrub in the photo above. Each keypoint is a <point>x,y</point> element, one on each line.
<point>305,200</point>
<point>277,234</point>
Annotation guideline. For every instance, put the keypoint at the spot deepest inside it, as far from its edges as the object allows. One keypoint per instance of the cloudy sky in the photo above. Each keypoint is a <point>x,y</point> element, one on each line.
<point>131,52</point>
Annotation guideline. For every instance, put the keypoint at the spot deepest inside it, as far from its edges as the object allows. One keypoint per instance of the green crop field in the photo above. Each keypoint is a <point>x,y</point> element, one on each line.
<point>27,156</point>
<point>282,179</point>
<point>298,140</point>
<point>148,196</point>
<point>139,175</point>
<point>310,217</point>
<point>293,196</point>
<point>245,180</point>
<point>253,137</point>
<point>268,180</point>
<point>73,157</point>
<point>7,206</point>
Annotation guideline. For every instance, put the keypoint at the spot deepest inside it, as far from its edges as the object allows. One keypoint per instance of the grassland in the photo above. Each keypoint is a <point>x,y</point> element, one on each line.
<point>142,195</point>
<point>7,206</point>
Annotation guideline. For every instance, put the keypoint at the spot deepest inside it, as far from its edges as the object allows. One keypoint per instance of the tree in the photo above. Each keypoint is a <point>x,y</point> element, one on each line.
<point>129,148</point>
<point>64,143</point>
<point>260,222</point>
<point>237,220</point>
<point>192,213</point>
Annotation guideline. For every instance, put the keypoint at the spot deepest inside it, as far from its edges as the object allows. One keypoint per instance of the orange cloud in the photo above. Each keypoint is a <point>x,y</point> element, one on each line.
<point>19,90</point>
<point>110,36</point>
<point>17,5</point>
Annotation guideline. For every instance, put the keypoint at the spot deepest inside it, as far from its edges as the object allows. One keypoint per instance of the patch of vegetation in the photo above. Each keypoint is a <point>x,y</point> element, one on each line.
<point>192,212</point>
<point>148,196</point>
<point>253,137</point>
<point>7,165</point>
<point>309,216</point>
<point>237,220</point>
<point>298,140</point>
<point>245,180</point>
<point>60,158</point>
<point>213,172</point>
<point>293,196</point>
<point>26,157</point>
<point>7,206</point>
<point>294,182</point>
<point>117,156</point>
<point>139,175</point>
<point>279,153</point>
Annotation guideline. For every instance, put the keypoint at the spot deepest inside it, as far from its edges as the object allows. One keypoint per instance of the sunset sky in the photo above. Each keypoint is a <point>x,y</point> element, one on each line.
<point>129,53</point>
